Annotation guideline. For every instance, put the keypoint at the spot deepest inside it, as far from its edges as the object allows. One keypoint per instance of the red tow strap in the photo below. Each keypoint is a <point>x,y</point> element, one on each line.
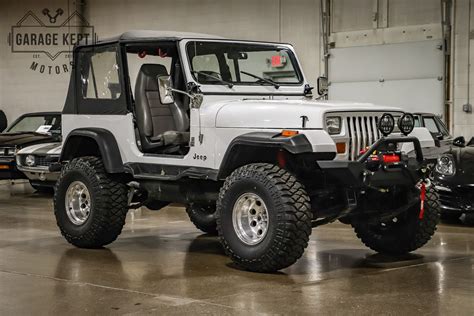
<point>422,200</point>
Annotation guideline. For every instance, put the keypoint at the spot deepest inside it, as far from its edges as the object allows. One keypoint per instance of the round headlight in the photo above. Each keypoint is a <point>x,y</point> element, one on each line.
<point>30,160</point>
<point>406,123</point>
<point>386,124</point>
<point>445,165</point>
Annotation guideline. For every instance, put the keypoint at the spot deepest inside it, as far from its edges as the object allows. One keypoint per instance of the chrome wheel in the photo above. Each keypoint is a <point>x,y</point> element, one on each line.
<point>250,218</point>
<point>78,203</point>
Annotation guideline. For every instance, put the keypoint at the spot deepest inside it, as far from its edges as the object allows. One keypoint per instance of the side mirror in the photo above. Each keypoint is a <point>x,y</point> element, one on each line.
<point>3,121</point>
<point>164,87</point>
<point>195,98</point>
<point>323,85</point>
<point>459,141</point>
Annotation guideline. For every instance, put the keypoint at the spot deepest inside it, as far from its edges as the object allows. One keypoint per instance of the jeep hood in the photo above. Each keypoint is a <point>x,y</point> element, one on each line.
<point>286,113</point>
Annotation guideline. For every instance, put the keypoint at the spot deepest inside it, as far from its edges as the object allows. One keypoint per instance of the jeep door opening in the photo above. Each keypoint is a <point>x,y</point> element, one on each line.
<point>229,129</point>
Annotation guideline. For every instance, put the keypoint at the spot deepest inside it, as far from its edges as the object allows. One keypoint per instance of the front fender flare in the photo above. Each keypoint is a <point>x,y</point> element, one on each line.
<point>297,144</point>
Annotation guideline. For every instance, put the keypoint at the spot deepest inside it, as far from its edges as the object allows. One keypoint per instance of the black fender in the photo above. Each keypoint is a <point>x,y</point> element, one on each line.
<point>258,143</point>
<point>106,144</point>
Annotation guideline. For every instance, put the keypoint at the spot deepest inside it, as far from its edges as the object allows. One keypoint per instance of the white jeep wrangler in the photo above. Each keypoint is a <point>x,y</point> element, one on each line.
<point>229,128</point>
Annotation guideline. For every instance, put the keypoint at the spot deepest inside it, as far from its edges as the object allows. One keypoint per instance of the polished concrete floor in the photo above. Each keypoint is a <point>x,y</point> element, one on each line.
<point>162,265</point>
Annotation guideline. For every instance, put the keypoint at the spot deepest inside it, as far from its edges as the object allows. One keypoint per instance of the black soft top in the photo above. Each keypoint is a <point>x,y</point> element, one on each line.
<point>151,35</point>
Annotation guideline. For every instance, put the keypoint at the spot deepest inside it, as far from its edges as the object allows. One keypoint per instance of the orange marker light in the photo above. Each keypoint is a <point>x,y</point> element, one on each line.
<point>288,133</point>
<point>4,167</point>
<point>341,148</point>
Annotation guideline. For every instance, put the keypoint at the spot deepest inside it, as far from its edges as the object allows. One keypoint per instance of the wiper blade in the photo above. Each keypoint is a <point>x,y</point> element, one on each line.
<point>229,84</point>
<point>273,83</point>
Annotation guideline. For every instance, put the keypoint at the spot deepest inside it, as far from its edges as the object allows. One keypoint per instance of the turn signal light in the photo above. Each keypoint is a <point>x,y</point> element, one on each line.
<point>288,133</point>
<point>3,167</point>
<point>341,148</point>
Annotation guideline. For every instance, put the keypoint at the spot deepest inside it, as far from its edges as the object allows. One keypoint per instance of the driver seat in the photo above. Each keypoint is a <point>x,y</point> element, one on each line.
<point>162,127</point>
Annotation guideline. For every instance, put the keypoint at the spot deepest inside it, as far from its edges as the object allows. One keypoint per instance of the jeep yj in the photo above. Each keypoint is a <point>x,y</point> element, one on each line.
<point>229,128</point>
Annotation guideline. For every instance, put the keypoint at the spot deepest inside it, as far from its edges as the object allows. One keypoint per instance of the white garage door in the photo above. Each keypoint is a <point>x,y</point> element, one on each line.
<point>407,75</point>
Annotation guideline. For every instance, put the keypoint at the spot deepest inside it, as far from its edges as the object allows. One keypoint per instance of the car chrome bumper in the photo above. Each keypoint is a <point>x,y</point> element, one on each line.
<point>40,173</point>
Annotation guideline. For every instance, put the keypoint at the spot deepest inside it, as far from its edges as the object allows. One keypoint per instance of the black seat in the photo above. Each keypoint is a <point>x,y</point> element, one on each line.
<point>162,127</point>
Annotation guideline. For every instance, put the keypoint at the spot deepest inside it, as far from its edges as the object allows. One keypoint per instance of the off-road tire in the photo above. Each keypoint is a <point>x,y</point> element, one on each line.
<point>411,233</point>
<point>203,217</point>
<point>108,204</point>
<point>289,213</point>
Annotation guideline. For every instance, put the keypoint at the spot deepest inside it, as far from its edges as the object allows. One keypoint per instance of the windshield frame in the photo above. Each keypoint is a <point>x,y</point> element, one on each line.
<point>276,46</point>
<point>19,119</point>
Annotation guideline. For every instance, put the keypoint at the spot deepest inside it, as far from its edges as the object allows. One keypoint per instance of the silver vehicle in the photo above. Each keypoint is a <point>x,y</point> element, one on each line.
<point>34,162</point>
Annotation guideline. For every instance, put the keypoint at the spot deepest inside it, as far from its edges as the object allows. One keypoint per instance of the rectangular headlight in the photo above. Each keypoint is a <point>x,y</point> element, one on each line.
<point>333,125</point>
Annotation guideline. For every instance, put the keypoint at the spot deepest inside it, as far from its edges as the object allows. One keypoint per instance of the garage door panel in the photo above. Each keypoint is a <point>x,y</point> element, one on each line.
<point>391,62</point>
<point>422,95</point>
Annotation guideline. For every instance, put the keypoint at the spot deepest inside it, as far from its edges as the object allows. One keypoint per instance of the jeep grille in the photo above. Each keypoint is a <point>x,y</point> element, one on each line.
<point>362,131</point>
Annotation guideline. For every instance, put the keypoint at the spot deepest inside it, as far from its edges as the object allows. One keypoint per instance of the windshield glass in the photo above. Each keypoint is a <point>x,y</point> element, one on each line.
<point>37,123</point>
<point>230,64</point>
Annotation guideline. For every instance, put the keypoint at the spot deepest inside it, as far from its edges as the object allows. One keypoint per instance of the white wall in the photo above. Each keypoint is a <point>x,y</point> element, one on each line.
<point>293,21</point>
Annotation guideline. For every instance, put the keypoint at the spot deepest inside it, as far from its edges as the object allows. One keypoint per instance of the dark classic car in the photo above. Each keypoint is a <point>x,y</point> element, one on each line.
<point>454,180</point>
<point>27,130</point>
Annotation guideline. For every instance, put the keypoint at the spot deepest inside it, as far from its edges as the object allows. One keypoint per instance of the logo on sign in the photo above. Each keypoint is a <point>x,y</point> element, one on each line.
<point>49,38</point>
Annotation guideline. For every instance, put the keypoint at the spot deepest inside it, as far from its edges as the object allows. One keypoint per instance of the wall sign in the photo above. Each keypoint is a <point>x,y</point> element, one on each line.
<point>49,38</point>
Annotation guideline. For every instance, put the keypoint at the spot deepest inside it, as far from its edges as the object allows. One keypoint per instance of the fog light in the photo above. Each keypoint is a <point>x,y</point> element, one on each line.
<point>30,161</point>
<point>406,123</point>
<point>386,124</point>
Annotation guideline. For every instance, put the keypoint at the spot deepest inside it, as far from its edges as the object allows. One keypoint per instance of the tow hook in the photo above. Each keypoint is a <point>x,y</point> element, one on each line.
<point>422,185</point>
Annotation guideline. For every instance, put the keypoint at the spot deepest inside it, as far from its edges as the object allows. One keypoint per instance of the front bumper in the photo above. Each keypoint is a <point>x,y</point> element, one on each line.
<point>9,171</point>
<point>39,174</point>
<point>456,198</point>
<point>356,175</point>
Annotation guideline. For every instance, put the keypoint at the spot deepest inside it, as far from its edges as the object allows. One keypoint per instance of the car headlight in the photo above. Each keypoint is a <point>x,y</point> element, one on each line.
<point>445,165</point>
<point>30,160</point>
<point>333,125</point>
